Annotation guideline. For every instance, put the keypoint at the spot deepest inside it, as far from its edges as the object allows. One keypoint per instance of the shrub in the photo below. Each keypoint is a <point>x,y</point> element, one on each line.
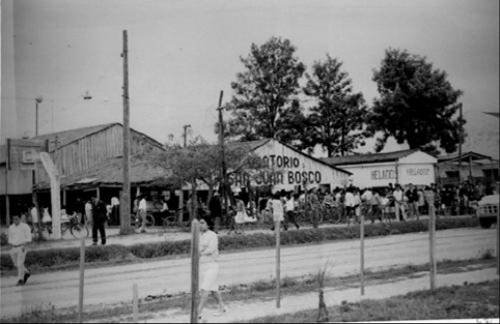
<point>71,256</point>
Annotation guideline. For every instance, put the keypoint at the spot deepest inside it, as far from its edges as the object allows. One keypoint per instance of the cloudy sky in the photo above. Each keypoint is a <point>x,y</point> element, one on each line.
<point>182,53</point>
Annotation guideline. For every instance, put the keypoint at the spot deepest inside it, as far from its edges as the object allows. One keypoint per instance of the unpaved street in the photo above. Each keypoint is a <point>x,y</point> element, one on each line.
<point>114,284</point>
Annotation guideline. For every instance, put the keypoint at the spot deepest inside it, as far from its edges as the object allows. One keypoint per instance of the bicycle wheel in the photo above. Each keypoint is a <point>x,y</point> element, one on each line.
<point>150,220</point>
<point>79,231</point>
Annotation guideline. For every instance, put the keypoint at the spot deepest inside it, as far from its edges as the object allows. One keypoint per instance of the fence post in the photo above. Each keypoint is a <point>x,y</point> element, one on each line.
<point>80,290</point>
<point>432,246</point>
<point>135,306</point>
<point>195,260</point>
<point>278,264</point>
<point>362,251</point>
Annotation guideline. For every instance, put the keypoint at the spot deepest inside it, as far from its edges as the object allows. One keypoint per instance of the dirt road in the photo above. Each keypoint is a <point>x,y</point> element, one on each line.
<point>114,284</point>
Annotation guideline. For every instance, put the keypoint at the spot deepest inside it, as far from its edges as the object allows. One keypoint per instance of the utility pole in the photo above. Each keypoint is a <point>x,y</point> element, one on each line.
<point>38,100</point>
<point>460,147</point>
<point>184,134</point>
<point>125,227</point>
<point>222,153</point>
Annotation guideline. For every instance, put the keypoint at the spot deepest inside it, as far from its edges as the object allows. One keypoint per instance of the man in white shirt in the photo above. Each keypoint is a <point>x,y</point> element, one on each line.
<point>19,235</point>
<point>88,212</point>
<point>349,203</point>
<point>142,213</point>
<point>399,203</point>
<point>115,210</point>
<point>209,268</point>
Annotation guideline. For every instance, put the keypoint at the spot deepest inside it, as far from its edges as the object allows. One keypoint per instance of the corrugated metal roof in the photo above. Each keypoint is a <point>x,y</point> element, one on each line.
<point>68,136</point>
<point>143,170</point>
<point>369,158</point>
<point>465,157</point>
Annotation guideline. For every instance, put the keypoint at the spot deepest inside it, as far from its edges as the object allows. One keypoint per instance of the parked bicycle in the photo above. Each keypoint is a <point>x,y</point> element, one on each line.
<point>71,223</point>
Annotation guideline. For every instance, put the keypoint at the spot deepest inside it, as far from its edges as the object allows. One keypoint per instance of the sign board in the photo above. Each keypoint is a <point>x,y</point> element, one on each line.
<point>23,154</point>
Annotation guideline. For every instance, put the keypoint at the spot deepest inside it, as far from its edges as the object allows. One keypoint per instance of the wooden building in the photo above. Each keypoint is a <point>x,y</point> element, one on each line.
<point>79,152</point>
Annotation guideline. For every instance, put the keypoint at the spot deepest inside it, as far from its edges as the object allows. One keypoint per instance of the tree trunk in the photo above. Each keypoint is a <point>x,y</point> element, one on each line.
<point>342,139</point>
<point>194,200</point>
<point>210,191</point>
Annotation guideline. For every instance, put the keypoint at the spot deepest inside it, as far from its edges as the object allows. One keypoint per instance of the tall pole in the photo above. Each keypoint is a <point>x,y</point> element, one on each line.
<point>195,262</point>
<point>38,100</point>
<point>222,153</point>
<point>125,227</point>
<point>7,198</point>
<point>460,148</point>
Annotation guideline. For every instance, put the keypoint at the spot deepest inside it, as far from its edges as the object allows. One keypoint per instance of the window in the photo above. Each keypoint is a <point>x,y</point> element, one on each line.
<point>452,174</point>
<point>491,174</point>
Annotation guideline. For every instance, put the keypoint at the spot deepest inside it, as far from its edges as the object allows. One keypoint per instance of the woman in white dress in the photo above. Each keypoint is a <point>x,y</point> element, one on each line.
<point>278,210</point>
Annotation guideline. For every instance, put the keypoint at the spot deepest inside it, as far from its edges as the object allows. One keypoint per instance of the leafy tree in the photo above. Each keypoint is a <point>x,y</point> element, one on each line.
<point>417,104</point>
<point>337,118</point>
<point>265,91</point>
<point>201,161</point>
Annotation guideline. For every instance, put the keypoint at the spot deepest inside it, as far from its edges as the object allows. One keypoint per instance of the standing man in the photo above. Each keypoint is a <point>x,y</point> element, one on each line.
<point>209,268</point>
<point>399,203</point>
<point>19,236</point>
<point>99,215</point>
<point>215,207</point>
<point>142,213</point>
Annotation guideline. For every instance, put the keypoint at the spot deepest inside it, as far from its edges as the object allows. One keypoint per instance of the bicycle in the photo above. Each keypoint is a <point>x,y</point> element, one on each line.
<point>72,223</point>
<point>136,220</point>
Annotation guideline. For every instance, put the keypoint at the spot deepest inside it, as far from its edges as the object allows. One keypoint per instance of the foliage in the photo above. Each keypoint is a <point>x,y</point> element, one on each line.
<point>337,118</point>
<point>68,257</point>
<point>266,92</point>
<point>416,105</point>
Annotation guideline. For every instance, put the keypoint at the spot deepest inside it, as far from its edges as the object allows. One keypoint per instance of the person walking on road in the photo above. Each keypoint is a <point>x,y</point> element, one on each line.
<point>99,215</point>
<point>215,207</point>
<point>19,235</point>
<point>209,269</point>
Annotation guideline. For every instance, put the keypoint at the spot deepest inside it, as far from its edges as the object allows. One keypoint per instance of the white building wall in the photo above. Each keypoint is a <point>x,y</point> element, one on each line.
<point>416,168</point>
<point>288,168</point>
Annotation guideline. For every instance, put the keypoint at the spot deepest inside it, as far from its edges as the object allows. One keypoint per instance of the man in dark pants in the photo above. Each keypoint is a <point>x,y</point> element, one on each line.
<point>215,207</point>
<point>99,214</point>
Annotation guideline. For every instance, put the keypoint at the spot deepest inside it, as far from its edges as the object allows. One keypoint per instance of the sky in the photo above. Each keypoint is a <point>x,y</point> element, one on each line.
<point>182,53</point>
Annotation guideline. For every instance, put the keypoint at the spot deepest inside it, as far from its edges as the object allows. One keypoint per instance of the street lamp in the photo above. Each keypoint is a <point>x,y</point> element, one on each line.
<point>38,100</point>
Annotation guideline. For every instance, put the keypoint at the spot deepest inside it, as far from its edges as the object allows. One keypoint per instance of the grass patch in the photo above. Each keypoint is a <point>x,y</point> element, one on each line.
<point>68,258</point>
<point>456,302</point>
<point>259,290</point>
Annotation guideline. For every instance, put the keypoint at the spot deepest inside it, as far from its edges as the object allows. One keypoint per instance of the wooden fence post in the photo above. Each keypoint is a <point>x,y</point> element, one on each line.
<point>278,264</point>
<point>195,262</point>
<point>432,237</point>
<point>80,290</point>
<point>135,305</point>
<point>362,251</point>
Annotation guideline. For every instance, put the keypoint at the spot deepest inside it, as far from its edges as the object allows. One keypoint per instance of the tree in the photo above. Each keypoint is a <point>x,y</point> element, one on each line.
<point>200,161</point>
<point>264,92</point>
<point>337,118</point>
<point>417,104</point>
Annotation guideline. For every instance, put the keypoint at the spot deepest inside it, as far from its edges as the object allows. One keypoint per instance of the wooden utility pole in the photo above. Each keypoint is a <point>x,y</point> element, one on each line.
<point>125,227</point>
<point>222,154</point>
<point>195,268</point>
<point>7,198</point>
<point>460,147</point>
